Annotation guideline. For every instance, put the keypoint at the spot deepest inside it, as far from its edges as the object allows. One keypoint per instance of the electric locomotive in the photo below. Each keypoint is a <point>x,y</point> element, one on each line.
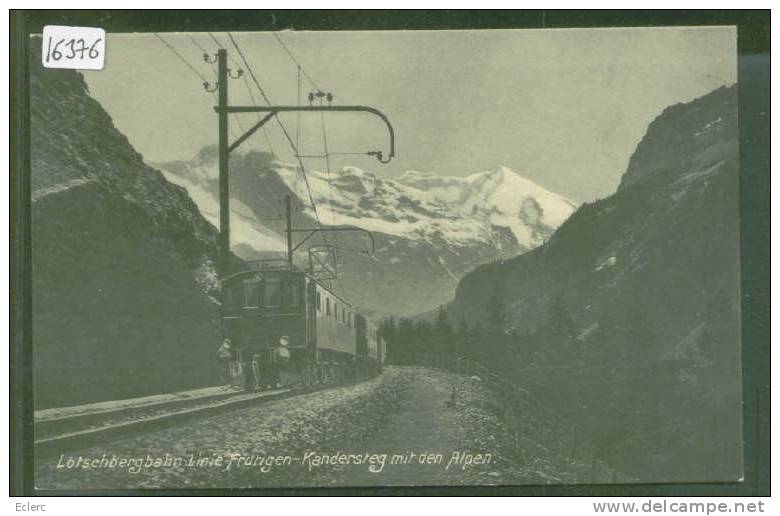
<point>327,340</point>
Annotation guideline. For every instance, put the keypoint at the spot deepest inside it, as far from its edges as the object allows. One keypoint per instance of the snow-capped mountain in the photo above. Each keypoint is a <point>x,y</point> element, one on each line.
<point>434,227</point>
<point>498,197</point>
<point>418,206</point>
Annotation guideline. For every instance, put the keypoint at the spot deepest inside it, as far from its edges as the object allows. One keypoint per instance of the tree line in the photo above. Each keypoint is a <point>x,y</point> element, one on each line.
<point>622,392</point>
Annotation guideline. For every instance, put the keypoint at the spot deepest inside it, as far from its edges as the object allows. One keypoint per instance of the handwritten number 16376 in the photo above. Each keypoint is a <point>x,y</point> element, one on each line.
<point>70,49</point>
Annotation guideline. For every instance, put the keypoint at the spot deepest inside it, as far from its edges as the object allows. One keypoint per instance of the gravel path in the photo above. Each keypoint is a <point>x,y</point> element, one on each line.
<point>399,429</point>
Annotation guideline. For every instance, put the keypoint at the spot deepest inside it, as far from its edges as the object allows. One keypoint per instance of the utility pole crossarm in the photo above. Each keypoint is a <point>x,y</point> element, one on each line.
<point>250,132</point>
<point>274,110</point>
<point>223,110</point>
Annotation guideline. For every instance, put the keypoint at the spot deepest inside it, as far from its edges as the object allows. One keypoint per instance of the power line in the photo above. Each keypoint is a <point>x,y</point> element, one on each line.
<point>254,103</point>
<point>220,45</point>
<point>213,94</point>
<point>194,41</point>
<point>290,140</point>
<point>231,121</point>
<point>330,196</point>
<point>195,71</point>
<point>327,161</point>
<point>327,154</point>
<point>286,135</point>
<point>289,53</point>
<point>248,90</point>
<point>281,125</point>
<point>183,60</point>
<point>238,122</point>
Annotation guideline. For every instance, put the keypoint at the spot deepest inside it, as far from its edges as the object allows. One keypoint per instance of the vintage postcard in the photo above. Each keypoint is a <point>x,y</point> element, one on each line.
<point>385,258</point>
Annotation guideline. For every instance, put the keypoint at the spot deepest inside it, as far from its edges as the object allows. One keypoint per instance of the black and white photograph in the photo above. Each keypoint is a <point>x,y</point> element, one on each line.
<point>380,258</point>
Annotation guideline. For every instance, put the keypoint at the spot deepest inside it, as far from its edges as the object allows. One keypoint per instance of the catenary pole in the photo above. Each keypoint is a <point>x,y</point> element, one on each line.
<point>224,180</point>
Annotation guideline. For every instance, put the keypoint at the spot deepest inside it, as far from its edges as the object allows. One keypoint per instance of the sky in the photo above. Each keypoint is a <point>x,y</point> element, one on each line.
<point>564,108</point>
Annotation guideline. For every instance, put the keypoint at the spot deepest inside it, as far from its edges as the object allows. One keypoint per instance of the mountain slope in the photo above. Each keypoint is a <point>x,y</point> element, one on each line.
<point>429,229</point>
<point>500,197</point>
<point>640,287</point>
<point>123,281</point>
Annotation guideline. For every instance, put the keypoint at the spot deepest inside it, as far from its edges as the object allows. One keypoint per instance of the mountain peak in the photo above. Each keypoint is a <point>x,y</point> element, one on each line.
<point>502,170</point>
<point>351,171</point>
<point>412,175</point>
<point>420,206</point>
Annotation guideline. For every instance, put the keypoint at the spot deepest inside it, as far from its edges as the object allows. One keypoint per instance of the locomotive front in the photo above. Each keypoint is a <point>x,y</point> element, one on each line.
<point>264,313</point>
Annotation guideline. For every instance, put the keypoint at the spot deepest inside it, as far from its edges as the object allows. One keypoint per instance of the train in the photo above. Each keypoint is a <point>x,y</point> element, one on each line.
<point>279,305</point>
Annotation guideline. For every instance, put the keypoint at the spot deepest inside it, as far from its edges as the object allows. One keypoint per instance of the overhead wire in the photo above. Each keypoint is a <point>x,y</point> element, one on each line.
<point>231,121</point>
<point>330,184</point>
<point>327,154</point>
<point>181,58</point>
<point>192,68</point>
<point>281,124</point>
<point>248,88</point>
<point>292,56</point>
<point>286,135</point>
<point>200,47</point>
<point>295,144</point>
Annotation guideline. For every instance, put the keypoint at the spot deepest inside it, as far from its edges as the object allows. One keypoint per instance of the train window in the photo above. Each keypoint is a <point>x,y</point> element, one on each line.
<point>336,310</point>
<point>227,298</point>
<point>319,302</point>
<point>290,293</point>
<point>251,294</point>
<point>273,292</point>
<point>295,294</point>
<point>327,306</point>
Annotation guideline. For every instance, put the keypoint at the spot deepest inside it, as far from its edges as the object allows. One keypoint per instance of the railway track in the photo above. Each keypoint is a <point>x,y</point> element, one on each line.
<point>60,430</point>
<point>73,428</point>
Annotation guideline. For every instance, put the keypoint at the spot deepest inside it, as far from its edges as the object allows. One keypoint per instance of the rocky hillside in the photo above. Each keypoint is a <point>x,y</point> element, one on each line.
<point>429,229</point>
<point>627,319</point>
<point>123,281</point>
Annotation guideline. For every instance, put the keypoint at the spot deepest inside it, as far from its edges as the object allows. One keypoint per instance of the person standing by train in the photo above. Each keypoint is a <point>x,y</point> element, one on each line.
<point>281,356</point>
<point>250,377</point>
<point>225,357</point>
<point>256,370</point>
